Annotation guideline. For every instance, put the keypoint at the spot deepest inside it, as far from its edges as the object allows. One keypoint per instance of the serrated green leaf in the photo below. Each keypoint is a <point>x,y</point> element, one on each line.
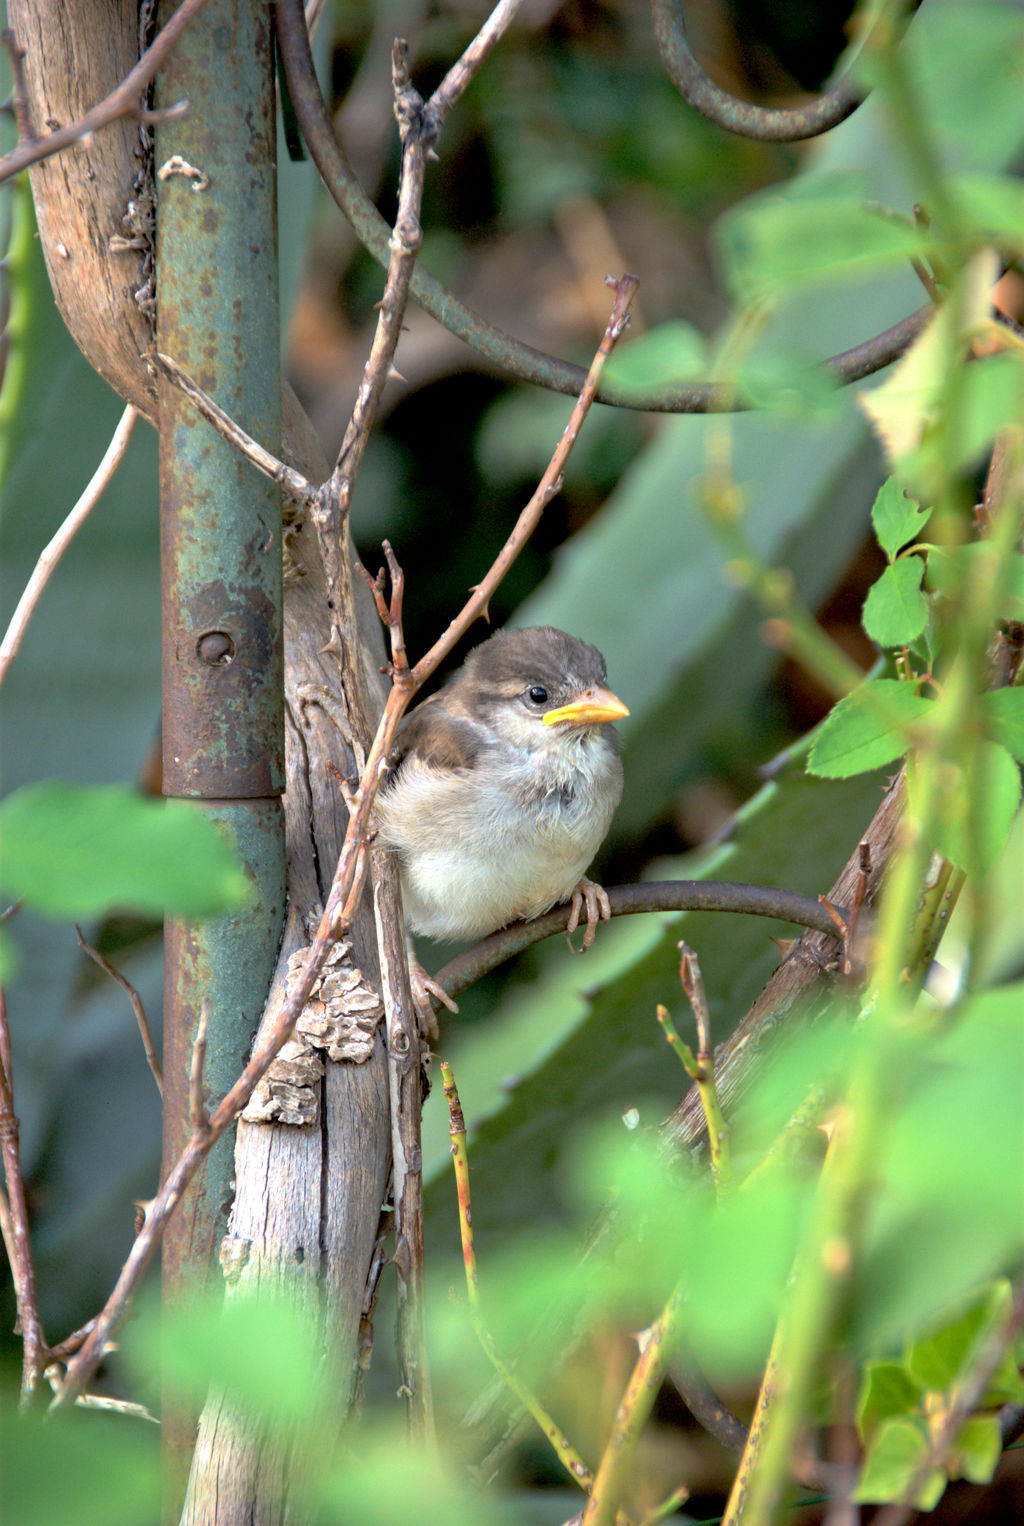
<point>896,518</point>
<point>898,1450</point>
<point>1004,709</point>
<point>910,411</point>
<point>895,610</point>
<point>867,728</point>
<point>74,851</point>
<point>773,241</point>
<point>938,1360</point>
<point>887,1389</point>
<point>979,1447</point>
<point>980,794</point>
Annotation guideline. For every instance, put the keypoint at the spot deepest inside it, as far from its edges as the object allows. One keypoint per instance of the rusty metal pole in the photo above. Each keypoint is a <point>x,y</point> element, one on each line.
<point>223,737</point>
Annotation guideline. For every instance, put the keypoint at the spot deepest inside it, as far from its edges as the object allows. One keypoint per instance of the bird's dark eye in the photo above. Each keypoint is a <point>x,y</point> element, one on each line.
<point>538,694</point>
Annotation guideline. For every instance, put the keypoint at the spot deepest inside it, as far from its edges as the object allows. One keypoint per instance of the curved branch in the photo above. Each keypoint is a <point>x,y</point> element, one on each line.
<point>627,900</point>
<point>768,124</point>
<point>502,350</point>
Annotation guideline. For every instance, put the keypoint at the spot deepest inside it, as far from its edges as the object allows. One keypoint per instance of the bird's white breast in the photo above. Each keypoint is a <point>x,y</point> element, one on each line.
<point>484,846</point>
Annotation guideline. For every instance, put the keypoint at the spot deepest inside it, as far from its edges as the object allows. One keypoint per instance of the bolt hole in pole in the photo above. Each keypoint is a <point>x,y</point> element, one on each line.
<point>216,649</point>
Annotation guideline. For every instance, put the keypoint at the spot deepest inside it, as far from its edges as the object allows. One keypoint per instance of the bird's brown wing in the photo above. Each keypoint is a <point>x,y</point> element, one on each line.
<point>439,739</point>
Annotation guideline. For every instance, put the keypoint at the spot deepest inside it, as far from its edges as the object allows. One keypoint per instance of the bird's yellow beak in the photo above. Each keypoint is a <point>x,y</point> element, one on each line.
<point>594,707</point>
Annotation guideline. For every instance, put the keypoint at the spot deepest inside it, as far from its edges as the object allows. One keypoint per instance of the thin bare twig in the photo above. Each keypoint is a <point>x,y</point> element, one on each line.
<point>463,70</point>
<point>133,996</point>
<point>123,101</point>
<point>330,511</point>
<point>19,93</point>
<point>290,481</point>
<point>693,985</point>
<point>405,1084</point>
<point>548,488</point>
<point>657,1346</point>
<point>703,1070</point>
<point>404,1066</point>
<point>71,1343</point>
<point>15,1225</point>
<point>562,1447</point>
<point>198,1116</point>
<point>55,549</point>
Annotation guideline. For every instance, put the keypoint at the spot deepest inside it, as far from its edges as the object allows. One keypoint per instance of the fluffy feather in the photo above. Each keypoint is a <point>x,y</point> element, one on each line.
<point>494,815</point>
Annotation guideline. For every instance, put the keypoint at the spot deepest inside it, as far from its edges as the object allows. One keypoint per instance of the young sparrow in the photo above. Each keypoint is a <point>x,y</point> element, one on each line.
<point>503,789</point>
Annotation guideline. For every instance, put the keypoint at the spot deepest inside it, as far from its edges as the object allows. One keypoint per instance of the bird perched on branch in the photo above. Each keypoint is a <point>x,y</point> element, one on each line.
<point>503,789</point>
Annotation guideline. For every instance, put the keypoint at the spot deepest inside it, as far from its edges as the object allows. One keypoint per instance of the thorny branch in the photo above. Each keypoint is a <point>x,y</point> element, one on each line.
<point>133,996</point>
<point>14,1221</point>
<point>291,482</point>
<point>124,101</point>
<point>511,355</point>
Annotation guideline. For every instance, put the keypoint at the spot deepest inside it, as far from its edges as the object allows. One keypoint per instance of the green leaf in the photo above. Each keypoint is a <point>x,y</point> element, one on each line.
<point>789,384</point>
<point>910,411</point>
<point>895,610</point>
<point>898,1450</point>
<point>896,518</point>
<point>980,794</point>
<point>994,204</point>
<point>1004,709</point>
<point>774,241</point>
<point>364,1485</point>
<point>990,399</point>
<point>965,65</point>
<point>946,1217</point>
<point>263,1352</point>
<point>82,1469</point>
<point>1006,1386</point>
<point>867,728</point>
<point>938,1361</point>
<point>979,1447</point>
<point>887,1389</point>
<point>75,851</point>
<point>951,567</point>
<point>673,351</point>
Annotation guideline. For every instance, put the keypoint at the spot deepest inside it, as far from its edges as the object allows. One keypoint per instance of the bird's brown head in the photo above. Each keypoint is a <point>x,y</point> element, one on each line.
<point>544,675</point>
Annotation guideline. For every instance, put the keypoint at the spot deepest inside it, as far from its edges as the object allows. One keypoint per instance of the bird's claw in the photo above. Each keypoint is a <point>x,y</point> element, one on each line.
<point>594,897</point>
<point>423,988</point>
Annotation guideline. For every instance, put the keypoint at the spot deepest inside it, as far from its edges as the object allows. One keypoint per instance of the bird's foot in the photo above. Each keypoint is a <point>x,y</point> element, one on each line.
<point>423,988</point>
<point>594,897</point>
